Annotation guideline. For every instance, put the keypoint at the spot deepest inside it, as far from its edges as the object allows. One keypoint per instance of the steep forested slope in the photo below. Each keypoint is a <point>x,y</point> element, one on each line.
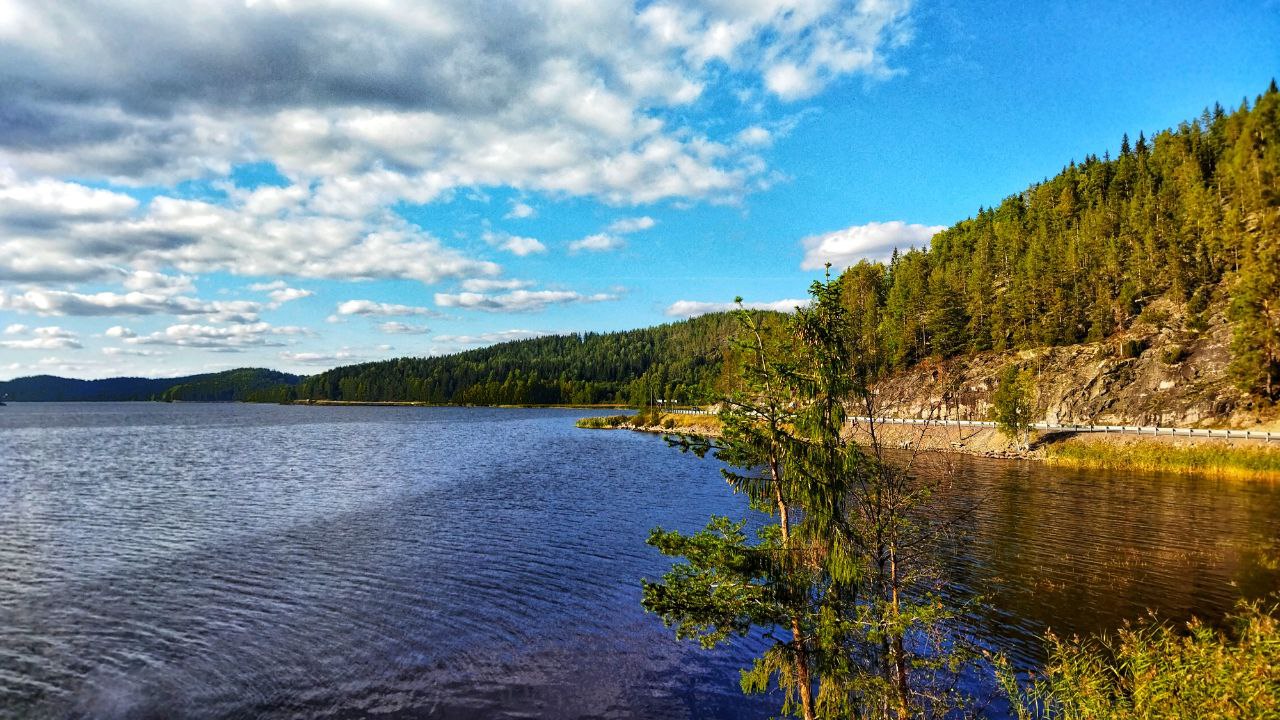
<point>1182,216</point>
<point>677,362</point>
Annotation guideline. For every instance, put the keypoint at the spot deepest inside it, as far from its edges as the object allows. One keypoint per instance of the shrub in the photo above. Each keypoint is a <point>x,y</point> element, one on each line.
<point>1130,349</point>
<point>1174,354</point>
<point>1154,671</point>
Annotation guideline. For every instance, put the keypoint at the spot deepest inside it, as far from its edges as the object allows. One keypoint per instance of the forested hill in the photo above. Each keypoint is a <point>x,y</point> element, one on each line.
<point>241,384</point>
<point>1190,215</point>
<point>675,362</point>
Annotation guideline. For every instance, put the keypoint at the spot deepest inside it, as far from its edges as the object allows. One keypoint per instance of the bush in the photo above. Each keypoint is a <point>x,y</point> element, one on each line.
<point>1130,349</point>
<point>1159,672</point>
<point>1174,354</point>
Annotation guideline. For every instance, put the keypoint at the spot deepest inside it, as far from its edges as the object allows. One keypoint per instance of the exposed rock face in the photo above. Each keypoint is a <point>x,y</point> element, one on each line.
<point>1157,372</point>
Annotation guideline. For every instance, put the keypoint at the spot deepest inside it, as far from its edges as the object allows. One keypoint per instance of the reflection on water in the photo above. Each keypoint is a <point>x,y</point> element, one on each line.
<point>262,561</point>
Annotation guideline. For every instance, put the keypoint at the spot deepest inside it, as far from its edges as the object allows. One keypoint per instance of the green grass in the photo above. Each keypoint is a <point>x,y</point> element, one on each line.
<point>1209,458</point>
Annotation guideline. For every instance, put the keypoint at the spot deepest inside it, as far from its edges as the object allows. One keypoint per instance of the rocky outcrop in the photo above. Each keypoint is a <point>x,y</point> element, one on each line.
<point>1161,371</point>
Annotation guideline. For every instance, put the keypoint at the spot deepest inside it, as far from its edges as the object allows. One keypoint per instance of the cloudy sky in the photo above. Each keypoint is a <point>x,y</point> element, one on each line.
<point>193,186</point>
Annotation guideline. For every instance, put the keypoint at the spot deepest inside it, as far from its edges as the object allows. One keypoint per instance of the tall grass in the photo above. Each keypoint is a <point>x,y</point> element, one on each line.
<point>1159,672</point>
<point>694,424</point>
<point>1209,458</point>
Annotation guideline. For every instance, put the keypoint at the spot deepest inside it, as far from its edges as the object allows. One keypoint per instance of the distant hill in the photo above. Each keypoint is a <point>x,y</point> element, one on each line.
<point>242,384</point>
<point>676,362</point>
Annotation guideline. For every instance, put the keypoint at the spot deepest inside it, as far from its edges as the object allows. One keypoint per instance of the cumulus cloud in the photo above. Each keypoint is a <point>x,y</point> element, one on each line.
<point>520,211</point>
<point>755,135</point>
<point>64,302</point>
<point>280,292</point>
<point>517,300</point>
<point>132,352</point>
<point>694,308</point>
<point>399,328</point>
<point>874,241</point>
<point>515,244</point>
<point>42,338</point>
<point>219,337</point>
<point>371,308</point>
<point>552,95</point>
<point>312,235</point>
<point>624,226</point>
<point>457,342</point>
<point>322,358</point>
<point>600,242</point>
<point>490,284</point>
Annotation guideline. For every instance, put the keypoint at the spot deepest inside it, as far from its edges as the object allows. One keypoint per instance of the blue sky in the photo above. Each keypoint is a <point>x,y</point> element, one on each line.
<point>301,185</point>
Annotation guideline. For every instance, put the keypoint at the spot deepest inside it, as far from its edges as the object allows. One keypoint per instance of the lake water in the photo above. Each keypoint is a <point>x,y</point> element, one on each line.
<point>294,562</point>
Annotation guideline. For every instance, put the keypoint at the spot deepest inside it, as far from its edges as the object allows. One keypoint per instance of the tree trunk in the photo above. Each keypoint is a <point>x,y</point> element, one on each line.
<point>899,651</point>
<point>800,649</point>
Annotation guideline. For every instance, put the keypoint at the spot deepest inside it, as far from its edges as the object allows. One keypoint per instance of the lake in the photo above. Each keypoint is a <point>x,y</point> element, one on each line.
<point>215,561</point>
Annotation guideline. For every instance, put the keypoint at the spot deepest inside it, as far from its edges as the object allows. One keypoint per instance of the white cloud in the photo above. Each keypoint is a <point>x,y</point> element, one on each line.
<point>132,352</point>
<point>369,307</point>
<point>625,226</point>
<point>344,356</point>
<point>520,211</point>
<point>119,331</point>
<point>62,302</point>
<point>489,338</point>
<point>45,338</point>
<point>517,300</point>
<point>756,136</point>
<point>159,283</point>
<point>875,241</point>
<point>399,328</point>
<point>600,242</point>
<point>790,82</point>
<point>407,101</point>
<point>491,284</point>
<point>515,244</point>
<point>694,308</point>
<point>219,337</point>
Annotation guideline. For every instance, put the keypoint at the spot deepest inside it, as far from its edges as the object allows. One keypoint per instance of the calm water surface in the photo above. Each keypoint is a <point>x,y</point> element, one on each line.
<point>281,562</point>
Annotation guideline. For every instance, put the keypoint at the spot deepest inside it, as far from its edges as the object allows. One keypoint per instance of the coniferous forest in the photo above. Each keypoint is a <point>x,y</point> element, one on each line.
<point>1191,214</point>
<point>1186,214</point>
<point>676,362</point>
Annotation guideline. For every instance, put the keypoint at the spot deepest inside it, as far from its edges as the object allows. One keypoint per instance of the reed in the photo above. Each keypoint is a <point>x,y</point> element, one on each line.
<point>1208,458</point>
<point>1157,671</point>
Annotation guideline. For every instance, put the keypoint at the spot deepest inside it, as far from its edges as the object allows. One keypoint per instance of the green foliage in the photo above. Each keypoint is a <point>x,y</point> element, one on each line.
<point>1130,349</point>
<point>677,362</point>
<point>246,384</point>
<point>1152,672</point>
<point>1012,403</point>
<point>1078,256</point>
<point>838,581</point>
<point>1173,355</point>
<point>603,422</point>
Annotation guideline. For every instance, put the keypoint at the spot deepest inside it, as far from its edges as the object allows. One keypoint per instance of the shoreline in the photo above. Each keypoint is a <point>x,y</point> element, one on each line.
<point>1211,457</point>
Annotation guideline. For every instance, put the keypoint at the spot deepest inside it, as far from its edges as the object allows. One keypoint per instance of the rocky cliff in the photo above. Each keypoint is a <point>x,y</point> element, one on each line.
<point>1168,368</point>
